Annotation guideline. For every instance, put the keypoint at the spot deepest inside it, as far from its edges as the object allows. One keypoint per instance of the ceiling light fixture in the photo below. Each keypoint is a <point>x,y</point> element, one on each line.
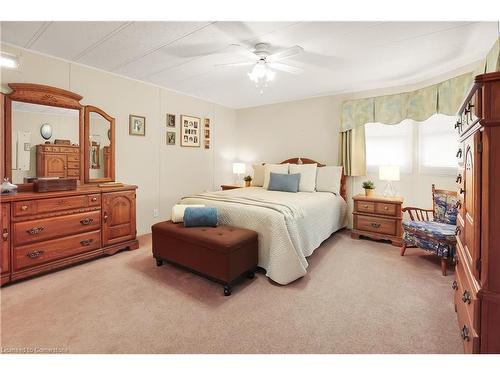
<point>261,75</point>
<point>9,61</point>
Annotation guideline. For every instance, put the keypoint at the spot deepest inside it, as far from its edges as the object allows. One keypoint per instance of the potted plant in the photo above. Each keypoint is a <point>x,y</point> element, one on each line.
<point>369,187</point>
<point>248,181</point>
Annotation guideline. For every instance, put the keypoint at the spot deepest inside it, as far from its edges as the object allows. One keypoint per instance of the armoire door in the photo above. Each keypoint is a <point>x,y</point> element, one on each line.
<point>471,202</point>
<point>5,241</point>
<point>55,165</point>
<point>118,217</point>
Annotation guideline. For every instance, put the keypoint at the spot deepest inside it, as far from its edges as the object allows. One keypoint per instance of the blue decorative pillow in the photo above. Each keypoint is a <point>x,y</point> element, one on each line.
<point>200,217</point>
<point>284,182</point>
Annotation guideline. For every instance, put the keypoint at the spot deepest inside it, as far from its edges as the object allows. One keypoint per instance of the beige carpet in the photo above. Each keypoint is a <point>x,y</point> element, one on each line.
<point>359,296</point>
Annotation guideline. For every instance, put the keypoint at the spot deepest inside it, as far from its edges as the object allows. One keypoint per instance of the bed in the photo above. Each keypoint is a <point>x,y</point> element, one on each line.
<point>290,225</point>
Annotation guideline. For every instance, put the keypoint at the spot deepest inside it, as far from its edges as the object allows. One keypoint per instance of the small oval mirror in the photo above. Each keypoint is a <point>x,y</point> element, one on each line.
<point>46,131</point>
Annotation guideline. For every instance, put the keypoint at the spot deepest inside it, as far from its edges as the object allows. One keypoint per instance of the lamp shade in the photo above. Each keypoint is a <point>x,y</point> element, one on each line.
<point>388,173</point>
<point>239,168</point>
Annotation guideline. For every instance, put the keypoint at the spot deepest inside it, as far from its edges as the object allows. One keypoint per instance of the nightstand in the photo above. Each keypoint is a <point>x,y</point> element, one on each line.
<point>230,187</point>
<point>378,217</point>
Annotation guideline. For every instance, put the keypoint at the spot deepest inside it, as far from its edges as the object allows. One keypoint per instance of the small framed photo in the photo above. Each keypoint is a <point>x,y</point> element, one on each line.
<point>171,120</point>
<point>170,138</point>
<point>190,131</point>
<point>207,123</point>
<point>136,125</point>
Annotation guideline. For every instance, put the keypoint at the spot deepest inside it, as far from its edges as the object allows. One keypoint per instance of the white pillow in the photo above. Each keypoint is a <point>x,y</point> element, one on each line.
<point>275,168</point>
<point>328,179</point>
<point>258,175</point>
<point>307,176</point>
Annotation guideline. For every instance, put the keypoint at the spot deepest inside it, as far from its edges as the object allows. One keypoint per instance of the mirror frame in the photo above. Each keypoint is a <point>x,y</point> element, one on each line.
<point>88,110</point>
<point>44,95</point>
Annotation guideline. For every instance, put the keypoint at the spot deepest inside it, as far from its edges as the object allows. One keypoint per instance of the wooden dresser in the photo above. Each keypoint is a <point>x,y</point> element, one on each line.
<point>45,231</point>
<point>58,161</point>
<point>477,274</point>
<point>377,217</point>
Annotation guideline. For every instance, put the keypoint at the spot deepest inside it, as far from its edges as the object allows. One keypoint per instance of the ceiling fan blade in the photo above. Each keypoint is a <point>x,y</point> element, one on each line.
<point>286,68</point>
<point>236,64</point>
<point>285,54</point>
<point>243,51</point>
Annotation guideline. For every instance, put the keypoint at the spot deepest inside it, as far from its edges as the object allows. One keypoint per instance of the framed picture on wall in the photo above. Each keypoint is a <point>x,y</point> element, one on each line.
<point>207,133</point>
<point>171,120</point>
<point>190,131</point>
<point>170,138</point>
<point>136,125</point>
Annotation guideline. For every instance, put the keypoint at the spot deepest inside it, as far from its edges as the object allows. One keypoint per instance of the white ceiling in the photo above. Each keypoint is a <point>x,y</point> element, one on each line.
<point>338,56</point>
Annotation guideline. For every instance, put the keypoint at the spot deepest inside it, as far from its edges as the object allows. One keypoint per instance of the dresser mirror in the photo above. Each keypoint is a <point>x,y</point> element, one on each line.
<point>99,146</point>
<point>43,128</point>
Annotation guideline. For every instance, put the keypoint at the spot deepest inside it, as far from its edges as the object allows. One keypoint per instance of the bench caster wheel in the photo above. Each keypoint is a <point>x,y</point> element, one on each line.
<point>159,262</point>
<point>250,274</point>
<point>227,290</point>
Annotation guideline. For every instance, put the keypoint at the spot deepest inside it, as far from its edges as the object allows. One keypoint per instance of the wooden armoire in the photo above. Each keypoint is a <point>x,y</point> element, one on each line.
<point>477,274</point>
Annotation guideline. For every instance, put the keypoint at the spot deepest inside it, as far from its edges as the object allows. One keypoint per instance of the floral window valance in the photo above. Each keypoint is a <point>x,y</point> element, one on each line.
<point>418,105</point>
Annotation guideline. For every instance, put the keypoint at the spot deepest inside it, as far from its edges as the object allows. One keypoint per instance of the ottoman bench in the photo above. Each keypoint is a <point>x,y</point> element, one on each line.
<point>223,254</point>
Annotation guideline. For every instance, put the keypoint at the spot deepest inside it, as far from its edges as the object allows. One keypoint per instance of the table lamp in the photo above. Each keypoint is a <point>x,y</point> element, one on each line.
<point>389,173</point>
<point>239,169</point>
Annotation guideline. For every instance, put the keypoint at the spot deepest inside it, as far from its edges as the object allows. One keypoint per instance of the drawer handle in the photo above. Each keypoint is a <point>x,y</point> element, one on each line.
<point>457,231</point>
<point>464,333</point>
<point>470,105</point>
<point>86,242</point>
<point>376,225</point>
<point>105,217</point>
<point>459,153</point>
<point>462,191</point>
<point>34,231</point>
<point>458,205</point>
<point>24,207</point>
<point>386,208</point>
<point>365,206</point>
<point>454,285</point>
<point>466,297</point>
<point>86,221</point>
<point>5,234</point>
<point>457,124</point>
<point>34,254</point>
<point>459,179</point>
<point>93,199</point>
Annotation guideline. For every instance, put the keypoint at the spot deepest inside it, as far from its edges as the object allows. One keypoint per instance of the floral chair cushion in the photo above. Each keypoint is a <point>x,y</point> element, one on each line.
<point>445,208</point>
<point>438,238</point>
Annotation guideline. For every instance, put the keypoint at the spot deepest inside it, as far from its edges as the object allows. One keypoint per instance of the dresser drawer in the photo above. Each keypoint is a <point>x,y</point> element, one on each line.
<point>365,206</point>
<point>386,208</point>
<point>43,206</point>
<point>467,294</point>
<point>74,158</point>
<point>47,251</point>
<point>73,165</point>
<point>40,230</point>
<point>375,224</point>
<point>73,172</point>
<point>466,329</point>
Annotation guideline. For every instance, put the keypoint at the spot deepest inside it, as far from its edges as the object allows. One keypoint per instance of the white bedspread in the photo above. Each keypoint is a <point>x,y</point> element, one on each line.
<point>290,225</point>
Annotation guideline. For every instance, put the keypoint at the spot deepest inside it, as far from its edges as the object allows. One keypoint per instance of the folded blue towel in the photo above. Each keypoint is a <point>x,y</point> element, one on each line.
<point>200,217</point>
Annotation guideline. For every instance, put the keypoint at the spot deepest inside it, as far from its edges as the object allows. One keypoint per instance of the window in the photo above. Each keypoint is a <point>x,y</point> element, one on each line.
<point>437,140</point>
<point>389,145</point>
<point>431,145</point>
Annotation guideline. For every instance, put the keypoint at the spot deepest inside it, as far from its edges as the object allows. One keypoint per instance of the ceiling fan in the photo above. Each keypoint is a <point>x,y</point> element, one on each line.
<point>265,63</point>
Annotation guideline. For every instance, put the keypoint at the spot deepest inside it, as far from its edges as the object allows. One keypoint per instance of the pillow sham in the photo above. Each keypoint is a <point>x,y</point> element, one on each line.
<point>258,175</point>
<point>328,179</point>
<point>275,168</point>
<point>284,182</point>
<point>307,176</point>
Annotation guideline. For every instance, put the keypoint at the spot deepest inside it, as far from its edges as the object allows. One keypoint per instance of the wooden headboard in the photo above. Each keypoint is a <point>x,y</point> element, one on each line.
<point>343,180</point>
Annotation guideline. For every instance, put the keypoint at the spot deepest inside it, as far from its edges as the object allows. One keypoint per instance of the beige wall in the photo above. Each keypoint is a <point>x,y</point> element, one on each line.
<point>163,173</point>
<point>310,128</point>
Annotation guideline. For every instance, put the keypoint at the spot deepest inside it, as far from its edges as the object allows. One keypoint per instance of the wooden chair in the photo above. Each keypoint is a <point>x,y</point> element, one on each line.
<point>433,230</point>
